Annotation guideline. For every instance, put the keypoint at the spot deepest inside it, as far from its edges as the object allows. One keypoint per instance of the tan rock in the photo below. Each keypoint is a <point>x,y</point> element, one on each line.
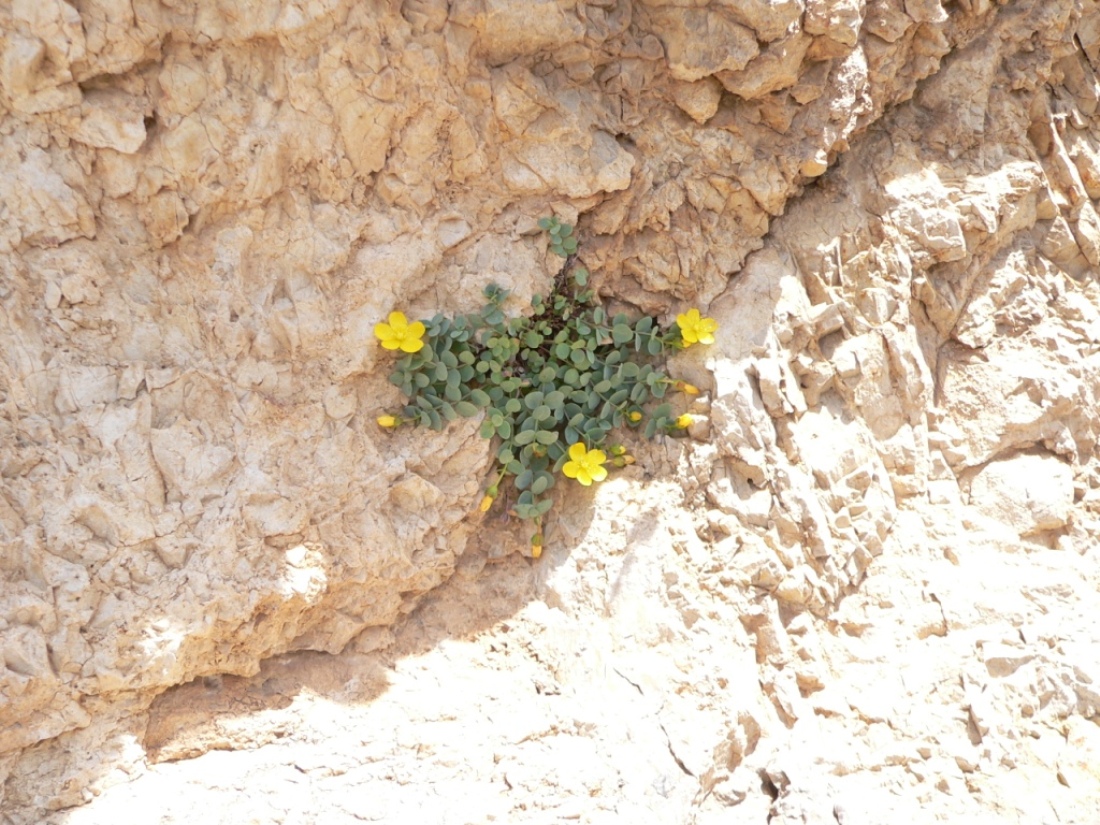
<point>880,533</point>
<point>1029,493</point>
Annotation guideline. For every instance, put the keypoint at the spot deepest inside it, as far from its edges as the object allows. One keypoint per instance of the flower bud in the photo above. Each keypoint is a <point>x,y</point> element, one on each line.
<point>486,503</point>
<point>617,449</point>
<point>634,416</point>
<point>686,388</point>
<point>684,421</point>
<point>387,421</point>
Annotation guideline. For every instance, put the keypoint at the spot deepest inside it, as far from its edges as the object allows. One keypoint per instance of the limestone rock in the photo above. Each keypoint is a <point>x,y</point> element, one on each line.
<point>225,589</point>
<point>1029,493</point>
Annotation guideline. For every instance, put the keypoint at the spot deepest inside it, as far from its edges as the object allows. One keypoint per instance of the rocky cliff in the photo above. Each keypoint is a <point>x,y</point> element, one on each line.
<point>864,589</point>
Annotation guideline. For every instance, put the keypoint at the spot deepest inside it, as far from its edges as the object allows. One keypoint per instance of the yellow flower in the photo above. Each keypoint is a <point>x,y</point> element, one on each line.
<point>585,465</point>
<point>695,329</point>
<point>400,334</point>
<point>686,388</point>
<point>634,416</point>
<point>684,421</point>
<point>387,421</point>
<point>486,503</point>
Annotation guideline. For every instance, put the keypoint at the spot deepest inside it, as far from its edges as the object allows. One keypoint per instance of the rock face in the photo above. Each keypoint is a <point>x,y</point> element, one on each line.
<point>867,586</point>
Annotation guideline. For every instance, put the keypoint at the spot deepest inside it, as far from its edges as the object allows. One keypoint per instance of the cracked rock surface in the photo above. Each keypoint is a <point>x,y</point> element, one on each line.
<point>863,590</point>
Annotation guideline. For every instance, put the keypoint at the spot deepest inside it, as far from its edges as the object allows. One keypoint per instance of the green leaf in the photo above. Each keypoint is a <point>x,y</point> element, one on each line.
<point>546,437</point>
<point>566,230</point>
<point>505,455</point>
<point>505,429</point>
<point>621,333</point>
<point>524,437</point>
<point>541,412</point>
<point>540,484</point>
<point>533,399</point>
<point>524,479</point>
<point>480,398</point>
<point>513,405</point>
<point>452,393</point>
<point>545,223</point>
<point>440,372</point>
<point>581,276</point>
<point>468,410</point>
<point>654,346</point>
<point>421,380</point>
<point>514,467</point>
<point>543,506</point>
<point>602,387</point>
<point>554,399</point>
<point>448,411</point>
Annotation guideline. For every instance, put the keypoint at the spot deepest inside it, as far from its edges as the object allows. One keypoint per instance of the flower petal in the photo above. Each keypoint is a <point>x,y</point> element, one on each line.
<point>417,329</point>
<point>398,321</point>
<point>411,345</point>
<point>584,478</point>
<point>598,473</point>
<point>383,331</point>
<point>570,469</point>
<point>391,343</point>
<point>596,457</point>
<point>577,451</point>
